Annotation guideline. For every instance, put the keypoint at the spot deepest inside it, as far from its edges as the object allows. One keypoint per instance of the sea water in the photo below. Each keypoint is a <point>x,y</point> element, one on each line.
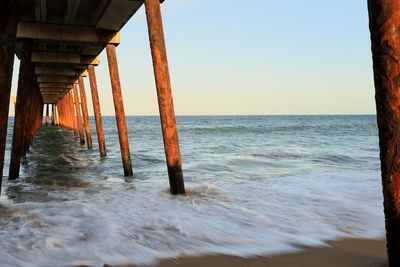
<point>257,185</point>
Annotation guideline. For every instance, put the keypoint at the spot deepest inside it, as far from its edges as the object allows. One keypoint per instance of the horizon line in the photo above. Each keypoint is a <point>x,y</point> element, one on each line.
<point>216,115</point>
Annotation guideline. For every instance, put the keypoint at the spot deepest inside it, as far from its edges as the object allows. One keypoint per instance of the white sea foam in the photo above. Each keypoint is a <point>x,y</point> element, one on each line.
<point>89,214</point>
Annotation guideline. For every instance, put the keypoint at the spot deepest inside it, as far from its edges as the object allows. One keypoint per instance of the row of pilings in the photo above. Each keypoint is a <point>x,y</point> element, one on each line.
<point>71,111</point>
<point>384,22</point>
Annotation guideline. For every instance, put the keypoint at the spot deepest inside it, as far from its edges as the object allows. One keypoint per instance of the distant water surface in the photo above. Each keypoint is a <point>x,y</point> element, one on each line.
<point>256,185</point>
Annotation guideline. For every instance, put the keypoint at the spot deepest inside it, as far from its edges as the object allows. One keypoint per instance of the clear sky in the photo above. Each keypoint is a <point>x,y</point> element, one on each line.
<point>249,57</point>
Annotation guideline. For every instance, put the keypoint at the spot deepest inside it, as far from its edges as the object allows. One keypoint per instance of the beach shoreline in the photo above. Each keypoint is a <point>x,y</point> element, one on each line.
<point>349,252</point>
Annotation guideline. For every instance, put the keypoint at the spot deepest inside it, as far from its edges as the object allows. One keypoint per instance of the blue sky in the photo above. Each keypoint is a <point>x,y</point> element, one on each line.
<point>258,57</point>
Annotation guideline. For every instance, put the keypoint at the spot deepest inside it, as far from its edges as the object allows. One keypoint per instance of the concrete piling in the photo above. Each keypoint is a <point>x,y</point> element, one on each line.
<point>97,111</point>
<point>119,110</point>
<point>164,94</point>
<point>384,21</point>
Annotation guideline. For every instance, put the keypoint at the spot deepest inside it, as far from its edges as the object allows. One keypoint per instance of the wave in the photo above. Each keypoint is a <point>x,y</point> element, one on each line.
<point>269,187</point>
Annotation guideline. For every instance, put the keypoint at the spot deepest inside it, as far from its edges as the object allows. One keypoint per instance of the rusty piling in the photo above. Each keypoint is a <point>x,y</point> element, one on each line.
<point>164,94</point>
<point>384,22</point>
<point>71,108</point>
<point>97,111</point>
<point>119,110</point>
<point>28,119</point>
<point>71,111</point>
<point>85,113</point>
<point>8,30</point>
<point>52,115</point>
<point>47,114</point>
<point>78,115</point>
<point>26,80</point>
<point>60,112</point>
<point>65,112</point>
<point>36,113</point>
<point>56,115</point>
<point>74,117</point>
<point>68,112</point>
<point>34,120</point>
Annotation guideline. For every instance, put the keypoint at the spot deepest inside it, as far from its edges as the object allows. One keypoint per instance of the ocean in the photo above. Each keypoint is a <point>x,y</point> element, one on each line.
<point>256,185</point>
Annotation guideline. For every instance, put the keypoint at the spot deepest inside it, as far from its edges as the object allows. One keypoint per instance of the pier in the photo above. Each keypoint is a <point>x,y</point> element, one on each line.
<point>58,44</point>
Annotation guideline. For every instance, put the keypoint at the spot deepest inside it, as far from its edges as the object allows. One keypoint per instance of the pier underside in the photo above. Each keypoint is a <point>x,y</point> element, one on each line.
<point>58,44</point>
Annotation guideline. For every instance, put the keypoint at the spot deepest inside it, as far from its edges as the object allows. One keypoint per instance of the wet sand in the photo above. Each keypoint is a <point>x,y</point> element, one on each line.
<point>342,253</point>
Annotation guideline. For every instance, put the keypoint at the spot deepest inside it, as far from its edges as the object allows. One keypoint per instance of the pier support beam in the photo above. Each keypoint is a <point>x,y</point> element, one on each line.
<point>85,113</point>
<point>47,114</point>
<point>8,31</point>
<point>74,117</point>
<point>119,110</point>
<point>71,105</point>
<point>56,115</point>
<point>52,115</point>
<point>78,115</point>
<point>37,119</point>
<point>68,112</point>
<point>97,111</point>
<point>41,112</point>
<point>33,120</point>
<point>60,113</point>
<point>384,23</point>
<point>26,80</point>
<point>164,94</point>
<point>71,113</point>
<point>63,113</point>
<point>28,119</point>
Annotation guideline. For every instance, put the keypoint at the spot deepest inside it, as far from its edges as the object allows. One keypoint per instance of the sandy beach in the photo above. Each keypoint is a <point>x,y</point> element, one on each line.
<point>342,253</point>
